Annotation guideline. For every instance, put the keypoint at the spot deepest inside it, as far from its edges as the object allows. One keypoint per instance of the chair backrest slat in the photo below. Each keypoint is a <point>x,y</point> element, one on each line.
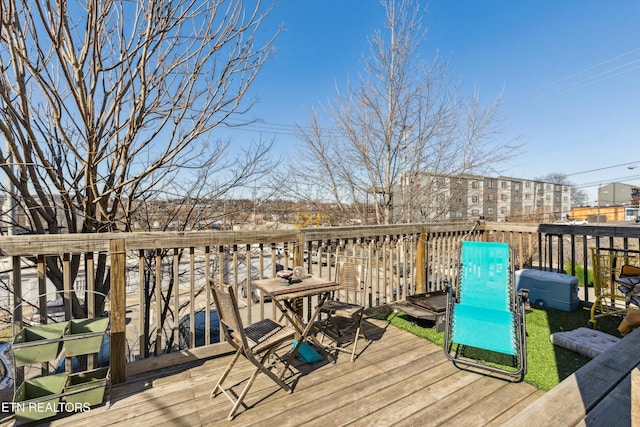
<point>350,273</point>
<point>228,312</point>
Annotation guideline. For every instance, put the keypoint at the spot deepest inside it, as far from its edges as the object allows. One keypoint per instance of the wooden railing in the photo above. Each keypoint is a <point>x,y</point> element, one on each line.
<point>158,326</point>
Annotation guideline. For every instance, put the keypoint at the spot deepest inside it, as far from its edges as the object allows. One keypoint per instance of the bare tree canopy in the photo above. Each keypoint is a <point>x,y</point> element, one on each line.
<point>403,120</point>
<point>102,102</point>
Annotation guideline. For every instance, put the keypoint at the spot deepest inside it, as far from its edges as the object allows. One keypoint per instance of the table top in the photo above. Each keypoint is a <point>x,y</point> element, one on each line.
<point>310,285</point>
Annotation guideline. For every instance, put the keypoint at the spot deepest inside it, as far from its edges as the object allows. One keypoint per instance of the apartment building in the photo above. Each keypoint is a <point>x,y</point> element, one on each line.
<point>468,197</point>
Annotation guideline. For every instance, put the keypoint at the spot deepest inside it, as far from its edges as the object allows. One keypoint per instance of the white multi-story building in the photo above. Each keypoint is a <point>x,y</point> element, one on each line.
<point>431,197</point>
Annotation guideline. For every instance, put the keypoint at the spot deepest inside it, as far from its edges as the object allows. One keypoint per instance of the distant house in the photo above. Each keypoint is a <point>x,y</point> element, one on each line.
<point>618,194</point>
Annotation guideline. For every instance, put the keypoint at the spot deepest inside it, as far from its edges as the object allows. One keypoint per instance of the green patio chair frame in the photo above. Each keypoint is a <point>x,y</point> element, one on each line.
<point>484,310</point>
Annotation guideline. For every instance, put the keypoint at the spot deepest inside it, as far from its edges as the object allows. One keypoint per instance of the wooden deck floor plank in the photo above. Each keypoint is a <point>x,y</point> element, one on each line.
<point>396,411</point>
<point>312,397</point>
<point>512,408</point>
<point>479,405</point>
<point>403,388</point>
<point>387,381</point>
<point>438,409</point>
<point>211,372</point>
<point>492,405</point>
<point>316,403</point>
<point>134,409</point>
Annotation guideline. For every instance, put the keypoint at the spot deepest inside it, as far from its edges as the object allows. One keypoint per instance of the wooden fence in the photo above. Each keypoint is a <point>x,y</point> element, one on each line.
<point>158,293</point>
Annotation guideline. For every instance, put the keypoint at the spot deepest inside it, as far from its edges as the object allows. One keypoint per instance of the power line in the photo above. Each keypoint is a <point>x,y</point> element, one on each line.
<point>605,181</point>
<point>586,70</point>
<point>637,162</point>
<point>565,91</point>
<point>529,99</point>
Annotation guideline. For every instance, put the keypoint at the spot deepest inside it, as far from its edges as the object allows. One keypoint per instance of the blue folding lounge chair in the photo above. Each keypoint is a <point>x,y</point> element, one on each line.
<point>484,311</point>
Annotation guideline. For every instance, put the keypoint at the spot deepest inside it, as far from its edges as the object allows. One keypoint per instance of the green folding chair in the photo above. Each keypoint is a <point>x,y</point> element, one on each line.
<point>485,312</point>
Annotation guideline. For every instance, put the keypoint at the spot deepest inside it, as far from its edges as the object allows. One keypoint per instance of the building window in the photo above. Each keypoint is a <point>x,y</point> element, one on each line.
<point>490,184</point>
<point>474,199</point>
<point>503,184</point>
<point>474,185</point>
<point>475,212</point>
<point>504,198</point>
<point>490,197</point>
<point>503,210</point>
<point>527,185</point>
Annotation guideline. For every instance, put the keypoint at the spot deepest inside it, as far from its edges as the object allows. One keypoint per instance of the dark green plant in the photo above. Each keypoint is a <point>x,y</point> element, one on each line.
<point>579,274</point>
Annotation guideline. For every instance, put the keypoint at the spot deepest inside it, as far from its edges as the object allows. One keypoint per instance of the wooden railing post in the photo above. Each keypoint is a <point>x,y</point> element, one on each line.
<point>118,310</point>
<point>298,252</point>
<point>421,267</point>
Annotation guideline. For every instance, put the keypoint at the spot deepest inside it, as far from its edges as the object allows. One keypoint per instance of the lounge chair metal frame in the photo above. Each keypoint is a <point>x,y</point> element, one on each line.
<point>492,305</point>
<point>256,342</point>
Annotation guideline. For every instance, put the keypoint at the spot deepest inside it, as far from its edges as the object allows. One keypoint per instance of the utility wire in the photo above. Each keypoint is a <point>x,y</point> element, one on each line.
<point>635,163</point>
<point>527,100</point>
<point>586,70</point>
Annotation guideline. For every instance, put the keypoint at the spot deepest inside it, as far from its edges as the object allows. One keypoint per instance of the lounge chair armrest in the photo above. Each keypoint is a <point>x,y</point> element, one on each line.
<point>451,291</point>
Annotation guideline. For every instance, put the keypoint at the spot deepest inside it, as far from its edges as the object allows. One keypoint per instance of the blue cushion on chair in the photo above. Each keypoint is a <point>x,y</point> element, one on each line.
<point>306,353</point>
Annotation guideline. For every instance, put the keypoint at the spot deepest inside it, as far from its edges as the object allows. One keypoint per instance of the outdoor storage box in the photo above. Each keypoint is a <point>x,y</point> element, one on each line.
<point>549,289</point>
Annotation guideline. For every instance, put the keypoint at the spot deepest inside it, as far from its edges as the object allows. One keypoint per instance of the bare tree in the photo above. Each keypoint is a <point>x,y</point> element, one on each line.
<point>104,101</point>
<point>578,196</point>
<point>402,119</point>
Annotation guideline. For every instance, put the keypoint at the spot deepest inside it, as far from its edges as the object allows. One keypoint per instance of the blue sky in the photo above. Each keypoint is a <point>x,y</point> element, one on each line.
<point>568,73</point>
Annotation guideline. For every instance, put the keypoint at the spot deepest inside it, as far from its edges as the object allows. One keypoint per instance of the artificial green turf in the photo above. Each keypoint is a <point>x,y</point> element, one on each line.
<point>547,364</point>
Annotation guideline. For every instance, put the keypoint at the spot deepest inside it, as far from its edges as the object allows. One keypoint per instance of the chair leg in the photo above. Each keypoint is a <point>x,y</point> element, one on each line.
<point>240,399</point>
<point>359,331</point>
<point>355,344</point>
<point>259,368</point>
<point>276,378</point>
<point>218,387</point>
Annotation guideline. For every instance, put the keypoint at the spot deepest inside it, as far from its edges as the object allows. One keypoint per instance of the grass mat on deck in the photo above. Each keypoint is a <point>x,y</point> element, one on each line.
<point>547,364</point>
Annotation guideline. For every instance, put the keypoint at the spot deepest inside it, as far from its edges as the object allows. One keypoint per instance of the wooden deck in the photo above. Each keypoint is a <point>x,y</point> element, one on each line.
<point>398,379</point>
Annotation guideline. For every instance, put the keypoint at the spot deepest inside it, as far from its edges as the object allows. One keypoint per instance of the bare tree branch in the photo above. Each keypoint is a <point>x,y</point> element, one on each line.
<point>403,118</point>
<point>104,101</point>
